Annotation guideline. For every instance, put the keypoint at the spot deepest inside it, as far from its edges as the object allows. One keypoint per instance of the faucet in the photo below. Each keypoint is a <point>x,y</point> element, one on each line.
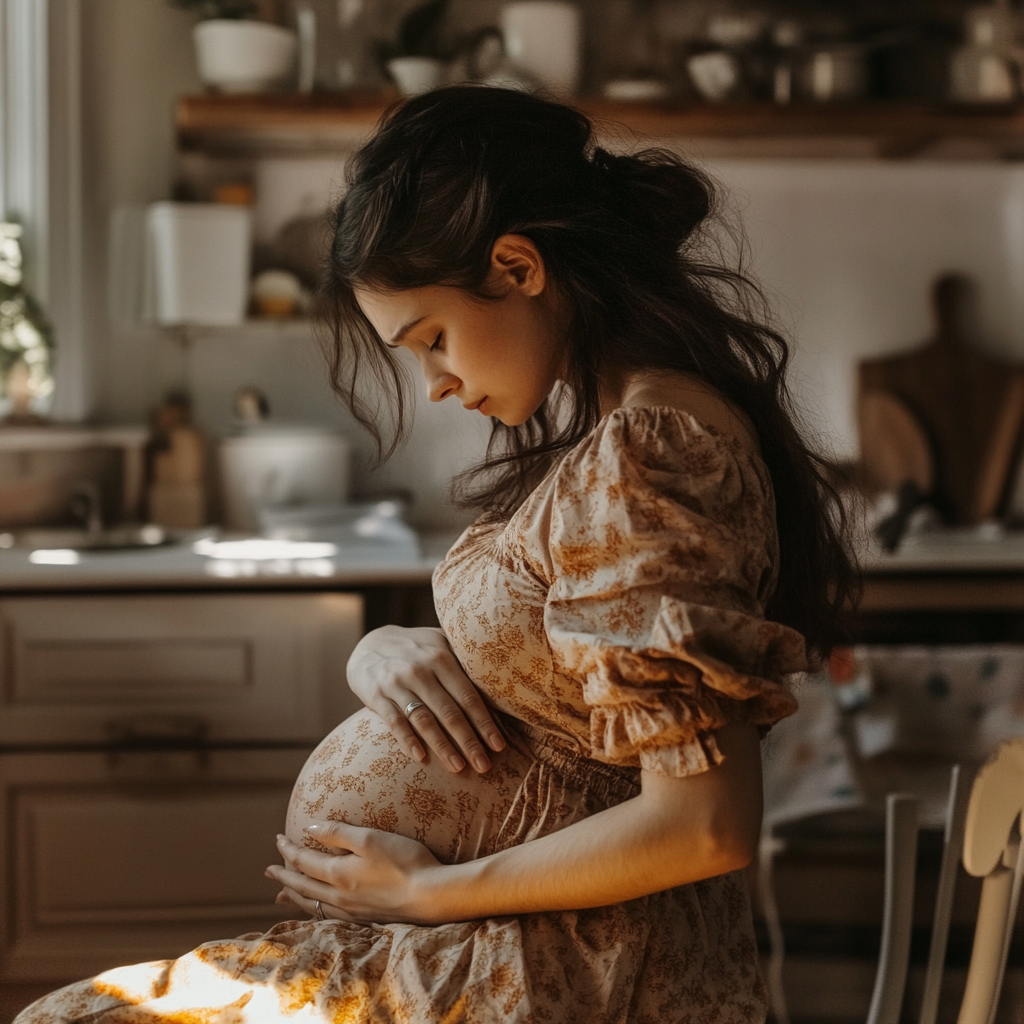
<point>86,507</point>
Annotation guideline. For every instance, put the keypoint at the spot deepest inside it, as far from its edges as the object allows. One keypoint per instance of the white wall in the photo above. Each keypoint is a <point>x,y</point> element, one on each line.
<point>136,60</point>
<point>847,248</point>
<point>850,249</point>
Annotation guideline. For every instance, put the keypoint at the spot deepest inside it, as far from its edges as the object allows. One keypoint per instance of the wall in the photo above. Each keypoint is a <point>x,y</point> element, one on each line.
<point>846,248</point>
<point>850,249</point>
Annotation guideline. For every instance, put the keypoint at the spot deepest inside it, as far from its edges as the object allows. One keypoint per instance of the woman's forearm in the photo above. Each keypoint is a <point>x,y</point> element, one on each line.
<point>676,831</point>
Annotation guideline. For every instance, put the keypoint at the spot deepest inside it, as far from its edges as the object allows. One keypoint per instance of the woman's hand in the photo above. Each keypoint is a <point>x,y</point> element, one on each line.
<point>392,667</point>
<point>374,877</point>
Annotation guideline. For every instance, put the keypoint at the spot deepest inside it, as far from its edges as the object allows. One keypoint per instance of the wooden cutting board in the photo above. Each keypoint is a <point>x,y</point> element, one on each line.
<point>894,447</point>
<point>970,405</point>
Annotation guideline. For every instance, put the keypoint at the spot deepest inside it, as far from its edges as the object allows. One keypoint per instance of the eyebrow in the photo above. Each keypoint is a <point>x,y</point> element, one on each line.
<point>403,331</point>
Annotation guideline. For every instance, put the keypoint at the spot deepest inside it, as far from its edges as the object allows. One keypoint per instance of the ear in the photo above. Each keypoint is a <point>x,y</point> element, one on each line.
<point>517,265</point>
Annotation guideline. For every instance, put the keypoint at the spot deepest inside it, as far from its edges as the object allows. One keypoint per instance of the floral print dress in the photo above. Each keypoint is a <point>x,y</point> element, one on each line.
<point>614,623</point>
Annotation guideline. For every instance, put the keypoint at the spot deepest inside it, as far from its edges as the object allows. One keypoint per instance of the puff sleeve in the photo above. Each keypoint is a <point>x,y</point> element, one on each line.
<point>663,552</point>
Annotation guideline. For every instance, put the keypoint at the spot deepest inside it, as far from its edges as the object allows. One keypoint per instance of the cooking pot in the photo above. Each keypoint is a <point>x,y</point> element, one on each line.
<point>277,465</point>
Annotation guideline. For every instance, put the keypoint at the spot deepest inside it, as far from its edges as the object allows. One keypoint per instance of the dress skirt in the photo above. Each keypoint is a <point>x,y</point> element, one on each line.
<point>684,955</point>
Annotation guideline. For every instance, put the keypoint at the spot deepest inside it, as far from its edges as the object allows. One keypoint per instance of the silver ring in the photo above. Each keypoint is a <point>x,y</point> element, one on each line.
<point>320,911</point>
<point>412,706</point>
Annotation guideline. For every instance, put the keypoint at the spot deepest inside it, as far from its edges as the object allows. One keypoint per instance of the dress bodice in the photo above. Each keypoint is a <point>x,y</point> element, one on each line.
<point>622,606</point>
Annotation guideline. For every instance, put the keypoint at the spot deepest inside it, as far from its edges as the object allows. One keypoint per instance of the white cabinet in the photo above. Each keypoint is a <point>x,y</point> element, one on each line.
<point>148,746</point>
<point>210,667</point>
<point>110,859</point>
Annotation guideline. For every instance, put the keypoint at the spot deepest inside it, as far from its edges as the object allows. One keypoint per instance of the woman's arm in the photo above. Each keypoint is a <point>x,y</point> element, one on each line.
<point>678,830</point>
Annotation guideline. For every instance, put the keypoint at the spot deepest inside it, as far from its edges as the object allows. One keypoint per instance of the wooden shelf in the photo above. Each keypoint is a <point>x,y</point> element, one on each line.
<point>337,122</point>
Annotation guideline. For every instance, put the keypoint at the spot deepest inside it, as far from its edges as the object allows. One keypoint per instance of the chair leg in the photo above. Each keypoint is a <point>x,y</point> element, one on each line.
<point>900,871</point>
<point>996,912</point>
<point>956,813</point>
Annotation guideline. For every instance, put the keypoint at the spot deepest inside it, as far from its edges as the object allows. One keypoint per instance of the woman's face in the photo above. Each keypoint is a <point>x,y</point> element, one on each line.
<point>500,357</point>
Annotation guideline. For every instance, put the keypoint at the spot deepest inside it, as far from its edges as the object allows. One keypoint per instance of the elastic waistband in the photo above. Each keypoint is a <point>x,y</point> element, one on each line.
<point>611,783</point>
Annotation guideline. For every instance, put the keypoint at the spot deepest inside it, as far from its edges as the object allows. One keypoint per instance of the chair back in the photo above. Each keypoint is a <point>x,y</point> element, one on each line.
<point>983,830</point>
<point>993,851</point>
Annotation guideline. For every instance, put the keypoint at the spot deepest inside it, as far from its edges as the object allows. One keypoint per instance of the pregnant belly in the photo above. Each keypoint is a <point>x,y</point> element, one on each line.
<point>360,775</point>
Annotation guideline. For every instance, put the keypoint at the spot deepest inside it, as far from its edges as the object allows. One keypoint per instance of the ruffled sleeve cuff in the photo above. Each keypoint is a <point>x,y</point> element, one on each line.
<point>659,706</point>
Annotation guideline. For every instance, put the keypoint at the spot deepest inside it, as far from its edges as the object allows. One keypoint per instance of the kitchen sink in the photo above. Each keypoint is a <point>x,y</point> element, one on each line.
<point>114,538</point>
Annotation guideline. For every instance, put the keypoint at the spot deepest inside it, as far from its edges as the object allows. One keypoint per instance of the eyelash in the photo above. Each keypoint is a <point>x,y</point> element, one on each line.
<point>437,343</point>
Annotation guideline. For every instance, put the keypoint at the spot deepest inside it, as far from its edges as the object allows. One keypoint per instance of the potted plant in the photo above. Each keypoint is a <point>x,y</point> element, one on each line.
<point>235,53</point>
<point>26,342</point>
<point>416,61</point>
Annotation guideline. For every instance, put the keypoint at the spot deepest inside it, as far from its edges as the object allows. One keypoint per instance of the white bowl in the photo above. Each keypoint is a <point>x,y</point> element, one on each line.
<point>243,56</point>
<point>416,75</point>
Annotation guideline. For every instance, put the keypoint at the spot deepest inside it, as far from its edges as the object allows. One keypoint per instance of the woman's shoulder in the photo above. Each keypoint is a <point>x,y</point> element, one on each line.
<point>673,439</point>
<point>688,399</point>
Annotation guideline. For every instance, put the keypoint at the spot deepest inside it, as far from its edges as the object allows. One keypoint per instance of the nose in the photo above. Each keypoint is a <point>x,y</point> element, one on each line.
<point>440,385</point>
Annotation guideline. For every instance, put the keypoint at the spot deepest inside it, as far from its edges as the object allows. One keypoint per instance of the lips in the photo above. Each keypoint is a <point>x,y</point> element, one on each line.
<point>475,405</point>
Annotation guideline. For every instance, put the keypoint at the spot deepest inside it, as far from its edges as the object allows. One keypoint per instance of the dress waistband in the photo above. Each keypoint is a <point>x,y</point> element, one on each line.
<point>611,783</point>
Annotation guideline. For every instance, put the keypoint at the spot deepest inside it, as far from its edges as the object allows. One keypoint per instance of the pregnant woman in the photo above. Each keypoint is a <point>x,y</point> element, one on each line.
<point>543,813</point>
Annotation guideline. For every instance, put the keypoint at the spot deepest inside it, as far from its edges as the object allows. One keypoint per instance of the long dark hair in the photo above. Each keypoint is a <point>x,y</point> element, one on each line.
<point>622,238</point>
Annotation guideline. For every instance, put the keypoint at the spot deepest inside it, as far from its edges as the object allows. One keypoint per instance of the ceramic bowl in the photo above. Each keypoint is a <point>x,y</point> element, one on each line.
<point>416,75</point>
<point>243,56</point>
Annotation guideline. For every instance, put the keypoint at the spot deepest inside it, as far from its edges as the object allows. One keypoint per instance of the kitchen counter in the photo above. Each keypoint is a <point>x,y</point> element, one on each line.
<point>941,552</point>
<point>980,549</point>
<point>947,586</point>
<point>178,566</point>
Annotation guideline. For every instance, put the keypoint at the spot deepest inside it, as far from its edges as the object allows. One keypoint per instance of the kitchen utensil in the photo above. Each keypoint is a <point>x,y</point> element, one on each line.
<point>834,71</point>
<point>894,447</point>
<point>716,74</point>
<point>375,528</point>
<point>416,75</point>
<point>177,467</point>
<point>734,65</point>
<point>279,465</point>
<point>891,529</point>
<point>542,37</point>
<point>200,254</point>
<point>997,461</point>
<point>787,35</point>
<point>277,293</point>
<point>984,69</point>
<point>243,56</point>
<point>969,403</point>
<point>306,28</point>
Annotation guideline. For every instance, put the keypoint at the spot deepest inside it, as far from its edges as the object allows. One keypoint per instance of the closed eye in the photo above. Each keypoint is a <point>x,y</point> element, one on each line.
<point>437,343</point>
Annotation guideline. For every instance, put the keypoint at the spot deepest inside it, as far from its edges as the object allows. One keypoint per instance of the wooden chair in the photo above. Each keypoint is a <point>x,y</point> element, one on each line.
<point>984,830</point>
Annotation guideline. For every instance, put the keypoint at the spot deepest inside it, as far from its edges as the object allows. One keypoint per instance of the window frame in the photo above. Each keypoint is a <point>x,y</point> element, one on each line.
<point>41,174</point>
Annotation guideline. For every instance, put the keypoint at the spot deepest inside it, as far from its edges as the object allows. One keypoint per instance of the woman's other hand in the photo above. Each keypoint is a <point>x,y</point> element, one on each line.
<point>393,667</point>
<point>370,877</point>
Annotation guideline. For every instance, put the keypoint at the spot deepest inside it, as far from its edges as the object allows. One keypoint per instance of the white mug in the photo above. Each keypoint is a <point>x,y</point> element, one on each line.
<point>542,37</point>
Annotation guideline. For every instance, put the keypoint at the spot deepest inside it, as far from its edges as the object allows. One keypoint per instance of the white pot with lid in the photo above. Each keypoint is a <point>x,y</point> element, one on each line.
<point>266,466</point>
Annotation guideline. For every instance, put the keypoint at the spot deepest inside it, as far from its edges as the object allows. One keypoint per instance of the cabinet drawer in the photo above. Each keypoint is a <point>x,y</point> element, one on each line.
<point>113,859</point>
<point>214,667</point>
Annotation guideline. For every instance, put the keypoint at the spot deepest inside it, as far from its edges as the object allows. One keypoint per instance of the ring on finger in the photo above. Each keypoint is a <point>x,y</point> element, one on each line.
<point>412,706</point>
<point>320,916</point>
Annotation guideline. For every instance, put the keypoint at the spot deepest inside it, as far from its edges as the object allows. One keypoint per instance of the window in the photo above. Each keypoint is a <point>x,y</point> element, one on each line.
<point>40,172</point>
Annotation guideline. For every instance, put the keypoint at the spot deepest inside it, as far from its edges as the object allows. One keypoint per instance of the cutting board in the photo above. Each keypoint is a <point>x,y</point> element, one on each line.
<point>970,405</point>
<point>894,447</point>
